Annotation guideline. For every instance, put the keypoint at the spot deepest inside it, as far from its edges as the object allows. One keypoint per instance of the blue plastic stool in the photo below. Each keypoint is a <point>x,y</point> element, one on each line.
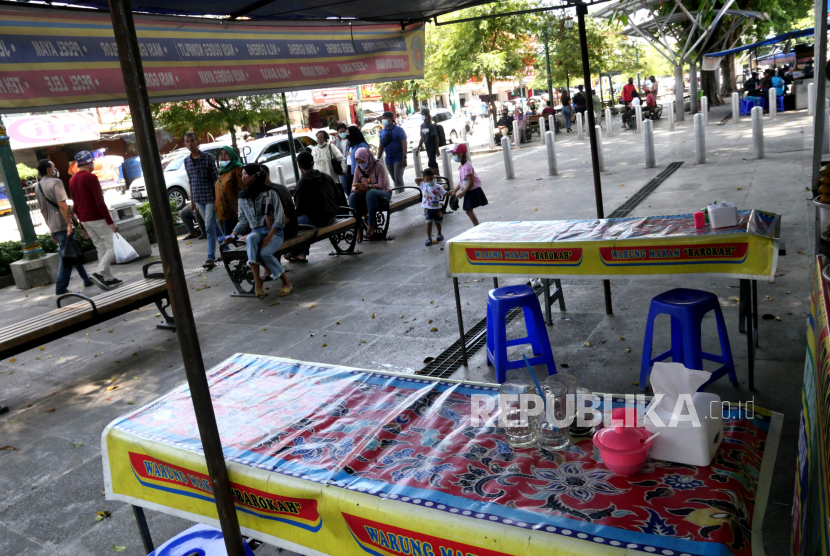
<point>499,303</point>
<point>201,540</point>
<point>687,309</point>
<point>779,103</point>
<point>747,104</point>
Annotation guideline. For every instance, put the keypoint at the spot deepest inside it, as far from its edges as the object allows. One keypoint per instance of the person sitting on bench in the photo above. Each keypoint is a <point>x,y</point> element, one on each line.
<point>369,186</point>
<point>651,105</point>
<point>628,115</point>
<point>504,127</point>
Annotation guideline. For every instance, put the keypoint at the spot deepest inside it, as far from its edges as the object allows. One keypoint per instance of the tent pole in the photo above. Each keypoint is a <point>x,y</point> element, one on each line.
<point>819,78</point>
<point>581,12</point>
<point>136,87</point>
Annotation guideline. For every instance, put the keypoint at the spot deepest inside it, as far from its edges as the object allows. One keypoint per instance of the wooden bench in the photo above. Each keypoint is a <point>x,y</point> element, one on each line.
<point>65,320</point>
<point>402,198</point>
<point>342,235</point>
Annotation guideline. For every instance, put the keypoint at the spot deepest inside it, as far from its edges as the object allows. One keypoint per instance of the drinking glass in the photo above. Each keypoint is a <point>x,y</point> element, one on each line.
<point>553,424</point>
<point>583,397</point>
<point>519,430</point>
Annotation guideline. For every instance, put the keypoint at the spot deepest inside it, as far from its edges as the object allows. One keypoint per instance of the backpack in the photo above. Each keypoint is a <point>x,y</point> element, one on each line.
<point>442,138</point>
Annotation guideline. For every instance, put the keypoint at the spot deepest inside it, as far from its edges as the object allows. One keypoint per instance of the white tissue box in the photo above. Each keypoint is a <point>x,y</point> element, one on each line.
<point>723,215</point>
<point>686,443</point>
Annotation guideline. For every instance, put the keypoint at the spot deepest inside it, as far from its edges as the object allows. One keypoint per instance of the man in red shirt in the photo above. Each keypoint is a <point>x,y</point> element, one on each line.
<point>628,89</point>
<point>92,211</point>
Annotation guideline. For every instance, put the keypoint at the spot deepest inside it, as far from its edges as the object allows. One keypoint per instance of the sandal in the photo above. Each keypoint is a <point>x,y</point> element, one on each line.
<point>209,265</point>
<point>428,242</point>
<point>439,237</point>
<point>260,294</point>
<point>295,259</point>
<point>286,290</point>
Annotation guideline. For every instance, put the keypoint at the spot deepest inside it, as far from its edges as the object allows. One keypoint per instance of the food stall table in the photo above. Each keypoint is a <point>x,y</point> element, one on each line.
<point>652,246</point>
<point>331,460</point>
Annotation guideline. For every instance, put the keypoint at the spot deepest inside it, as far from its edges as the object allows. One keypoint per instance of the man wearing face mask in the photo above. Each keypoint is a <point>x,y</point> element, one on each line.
<point>341,141</point>
<point>393,144</point>
<point>51,198</point>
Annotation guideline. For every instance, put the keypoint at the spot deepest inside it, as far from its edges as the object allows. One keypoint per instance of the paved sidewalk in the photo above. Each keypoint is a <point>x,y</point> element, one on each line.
<point>377,311</point>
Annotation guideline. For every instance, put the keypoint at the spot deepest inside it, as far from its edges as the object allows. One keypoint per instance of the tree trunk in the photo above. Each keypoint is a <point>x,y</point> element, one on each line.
<point>490,96</point>
<point>709,86</point>
<point>233,138</point>
<point>728,75</point>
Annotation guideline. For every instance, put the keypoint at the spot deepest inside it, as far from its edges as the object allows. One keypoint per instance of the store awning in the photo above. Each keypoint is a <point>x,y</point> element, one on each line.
<point>780,38</point>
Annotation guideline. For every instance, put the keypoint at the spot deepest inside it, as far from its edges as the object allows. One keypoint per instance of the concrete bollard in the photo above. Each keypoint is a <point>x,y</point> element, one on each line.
<point>609,125</point>
<point>600,148</point>
<point>492,134</point>
<point>508,158</point>
<point>280,175</point>
<point>700,140</point>
<point>463,132</point>
<point>416,156</point>
<point>553,167</point>
<point>516,139</point>
<point>671,116</point>
<point>580,134</point>
<point>446,164</point>
<point>757,131</point>
<point>638,117</point>
<point>542,130</point>
<point>704,109</point>
<point>552,123</point>
<point>648,143</point>
<point>736,108</point>
<point>771,98</point>
<point>811,99</point>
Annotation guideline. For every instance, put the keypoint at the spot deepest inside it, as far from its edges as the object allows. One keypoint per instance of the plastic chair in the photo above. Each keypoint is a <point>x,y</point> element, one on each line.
<point>687,309</point>
<point>779,103</point>
<point>499,302</point>
<point>748,103</point>
<point>201,540</point>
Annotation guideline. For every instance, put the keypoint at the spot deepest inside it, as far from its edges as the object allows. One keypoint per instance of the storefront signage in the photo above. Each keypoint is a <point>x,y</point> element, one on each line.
<point>42,130</point>
<point>333,96</point>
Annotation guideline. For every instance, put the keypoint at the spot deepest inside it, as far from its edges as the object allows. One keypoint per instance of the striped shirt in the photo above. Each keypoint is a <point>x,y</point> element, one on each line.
<point>202,175</point>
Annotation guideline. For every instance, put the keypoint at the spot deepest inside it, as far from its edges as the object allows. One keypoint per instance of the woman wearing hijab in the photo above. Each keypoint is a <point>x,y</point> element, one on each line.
<point>228,186</point>
<point>368,187</point>
<point>261,212</point>
<point>355,141</point>
<point>519,117</point>
<point>324,155</point>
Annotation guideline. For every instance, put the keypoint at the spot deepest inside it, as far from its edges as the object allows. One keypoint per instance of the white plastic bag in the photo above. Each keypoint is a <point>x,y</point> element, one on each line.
<point>124,252</point>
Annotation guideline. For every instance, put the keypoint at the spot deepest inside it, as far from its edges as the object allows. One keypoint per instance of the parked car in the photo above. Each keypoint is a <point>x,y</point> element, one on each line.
<point>271,151</point>
<point>175,176</point>
<point>440,116</point>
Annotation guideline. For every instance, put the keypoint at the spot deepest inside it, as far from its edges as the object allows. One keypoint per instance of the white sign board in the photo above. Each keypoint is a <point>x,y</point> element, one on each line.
<point>41,130</point>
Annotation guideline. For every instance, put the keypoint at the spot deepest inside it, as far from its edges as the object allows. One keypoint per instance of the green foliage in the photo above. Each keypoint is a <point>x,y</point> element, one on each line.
<point>433,83</point>
<point>144,211</point>
<point>202,116</point>
<point>25,172</point>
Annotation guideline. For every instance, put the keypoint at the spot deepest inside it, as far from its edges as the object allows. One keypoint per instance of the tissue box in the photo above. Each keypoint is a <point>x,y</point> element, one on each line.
<point>686,443</point>
<point>723,215</point>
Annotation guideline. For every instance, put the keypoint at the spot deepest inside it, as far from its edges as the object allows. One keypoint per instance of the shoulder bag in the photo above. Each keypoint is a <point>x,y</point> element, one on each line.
<point>336,165</point>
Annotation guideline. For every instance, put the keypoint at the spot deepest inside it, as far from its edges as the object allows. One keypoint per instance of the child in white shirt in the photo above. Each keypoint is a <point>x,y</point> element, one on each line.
<point>432,193</point>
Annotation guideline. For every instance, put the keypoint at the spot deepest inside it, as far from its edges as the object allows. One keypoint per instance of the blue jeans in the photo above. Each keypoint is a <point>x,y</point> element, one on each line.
<point>367,203</point>
<point>265,255</point>
<point>346,182</point>
<point>212,230</point>
<point>62,281</point>
<point>566,111</point>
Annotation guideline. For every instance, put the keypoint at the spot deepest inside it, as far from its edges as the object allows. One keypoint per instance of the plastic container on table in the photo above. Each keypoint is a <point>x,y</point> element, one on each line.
<point>623,448</point>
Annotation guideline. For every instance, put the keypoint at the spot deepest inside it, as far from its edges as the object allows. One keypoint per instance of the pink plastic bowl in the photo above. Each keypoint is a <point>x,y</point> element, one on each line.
<point>622,448</point>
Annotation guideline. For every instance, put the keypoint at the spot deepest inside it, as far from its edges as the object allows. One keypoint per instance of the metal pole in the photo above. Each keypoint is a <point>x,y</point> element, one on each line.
<point>811,99</point>
<point>736,110</point>
<point>359,106</point>
<point>133,72</point>
<point>492,134</point>
<point>462,339</point>
<point>704,109</point>
<point>508,158</point>
<point>772,97</point>
<point>547,64</point>
<point>552,123</point>
<point>700,140</point>
<point>600,153</point>
<point>648,143</point>
<point>758,132</point>
<point>672,126</point>
<point>679,108</point>
<point>516,138</point>
<point>542,129</point>
<point>447,164</point>
<point>416,160</point>
<point>291,140</point>
<point>820,121</point>
<point>608,124</point>
<point>553,167</point>
<point>580,131</point>
<point>693,86</point>
<point>581,12</point>
<point>638,114</point>
<point>280,175</point>
<point>14,187</point>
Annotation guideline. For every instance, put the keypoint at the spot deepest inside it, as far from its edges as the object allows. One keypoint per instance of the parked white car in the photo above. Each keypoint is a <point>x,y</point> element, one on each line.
<point>440,116</point>
<point>271,151</point>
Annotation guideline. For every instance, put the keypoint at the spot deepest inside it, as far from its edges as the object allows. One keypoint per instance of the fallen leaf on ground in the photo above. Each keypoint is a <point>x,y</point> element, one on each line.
<point>433,329</point>
<point>430,321</point>
<point>777,318</point>
<point>362,341</point>
<point>119,548</point>
<point>622,339</point>
<point>12,360</point>
<point>735,299</point>
<point>11,448</point>
<point>111,387</point>
<point>50,410</point>
<point>628,350</point>
<point>274,303</point>
<point>101,516</point>
<point>373,315</point>
<point>41,349</point>
<point>324,345</point>
<point>588,344</point>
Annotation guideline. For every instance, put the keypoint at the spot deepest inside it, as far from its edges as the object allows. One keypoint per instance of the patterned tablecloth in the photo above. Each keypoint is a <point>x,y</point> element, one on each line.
<point>651,245</point>
<point>340,461</point>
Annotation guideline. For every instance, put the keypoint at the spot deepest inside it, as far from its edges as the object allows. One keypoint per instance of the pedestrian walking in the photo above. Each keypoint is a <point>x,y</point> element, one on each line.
<point>429,140</point>
<point>327,156</point>
<point>627,89</point>
<point>51,198</point>
<point>393,144</point>
<point>341,141</point>
<point>581,100</point>
<point>202,173</point>
<point>469,184</point>
<point>432,193</point>
<point>228,186</point>
<point>567,111</point>
<point>92,211</point>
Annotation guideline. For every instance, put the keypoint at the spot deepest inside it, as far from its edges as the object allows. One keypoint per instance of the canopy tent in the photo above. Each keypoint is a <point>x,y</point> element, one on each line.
<point>136,63</point>
<point>773,40</point>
